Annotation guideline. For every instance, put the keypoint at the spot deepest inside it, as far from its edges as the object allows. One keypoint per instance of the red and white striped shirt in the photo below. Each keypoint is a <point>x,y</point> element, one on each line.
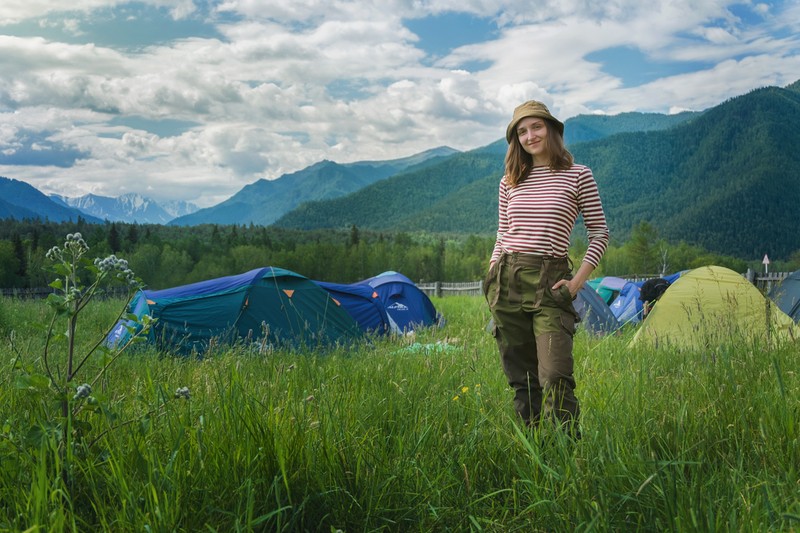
<point>538,215</point>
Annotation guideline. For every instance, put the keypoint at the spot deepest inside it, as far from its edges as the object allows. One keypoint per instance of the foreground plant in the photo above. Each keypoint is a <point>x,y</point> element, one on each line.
<point>65,372</point>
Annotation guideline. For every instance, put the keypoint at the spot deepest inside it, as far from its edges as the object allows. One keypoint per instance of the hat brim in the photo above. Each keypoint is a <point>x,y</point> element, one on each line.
<point>549,118</point>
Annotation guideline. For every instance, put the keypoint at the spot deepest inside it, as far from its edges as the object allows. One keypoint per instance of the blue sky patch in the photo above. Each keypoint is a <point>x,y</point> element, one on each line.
<point>475,65</point>
<point>36,150</point>
<point>746,14</point>
<point>163,128</point>
<point>634,68</point>
<point>442,33</point>
<point>350,89</point>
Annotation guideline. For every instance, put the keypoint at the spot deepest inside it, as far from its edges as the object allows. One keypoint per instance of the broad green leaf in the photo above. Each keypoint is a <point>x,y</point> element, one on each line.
<point>32,381</point>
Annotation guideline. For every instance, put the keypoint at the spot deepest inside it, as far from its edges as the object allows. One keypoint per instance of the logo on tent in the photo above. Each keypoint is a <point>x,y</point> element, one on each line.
<point>397,306</point>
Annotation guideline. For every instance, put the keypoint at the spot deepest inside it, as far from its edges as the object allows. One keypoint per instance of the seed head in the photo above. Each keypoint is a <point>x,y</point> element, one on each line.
<point>82,391</point>
<point>182,392</point>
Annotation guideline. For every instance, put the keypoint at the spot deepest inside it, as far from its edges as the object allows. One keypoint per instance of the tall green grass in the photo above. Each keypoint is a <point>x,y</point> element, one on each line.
<point>408,434</point>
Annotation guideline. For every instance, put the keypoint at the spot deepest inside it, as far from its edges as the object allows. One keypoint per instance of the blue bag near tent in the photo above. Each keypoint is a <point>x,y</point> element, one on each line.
<point>271,306</point>
<point>627,306</point>
<point>363,303</point>
<point>405,303</point>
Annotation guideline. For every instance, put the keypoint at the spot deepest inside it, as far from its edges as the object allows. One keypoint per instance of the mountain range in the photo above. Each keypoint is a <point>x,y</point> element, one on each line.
<point>20,200</point>
<point>131,207</point>
<point>725,178</point>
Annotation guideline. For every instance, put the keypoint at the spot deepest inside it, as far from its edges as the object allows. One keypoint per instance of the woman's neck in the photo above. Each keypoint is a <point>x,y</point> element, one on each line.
<point>541,159</point>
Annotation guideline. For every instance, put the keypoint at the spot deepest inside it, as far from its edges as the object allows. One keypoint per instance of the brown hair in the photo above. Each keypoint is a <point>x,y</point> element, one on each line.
<point>518,162</point>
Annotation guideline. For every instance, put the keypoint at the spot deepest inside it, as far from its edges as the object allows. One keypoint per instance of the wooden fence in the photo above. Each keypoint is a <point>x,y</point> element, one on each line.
<point>439,288</point>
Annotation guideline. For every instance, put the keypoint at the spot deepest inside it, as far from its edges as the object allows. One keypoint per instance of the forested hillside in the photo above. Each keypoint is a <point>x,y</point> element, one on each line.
<point>592,127</point>
<point>725,180</point>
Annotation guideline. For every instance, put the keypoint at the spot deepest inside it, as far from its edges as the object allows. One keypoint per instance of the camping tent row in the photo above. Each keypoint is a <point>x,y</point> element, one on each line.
<point>702,308</point>
<point>275,307</point>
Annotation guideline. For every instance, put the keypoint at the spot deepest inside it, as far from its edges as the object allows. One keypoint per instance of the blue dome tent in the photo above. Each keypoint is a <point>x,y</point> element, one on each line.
<point>405,303</point>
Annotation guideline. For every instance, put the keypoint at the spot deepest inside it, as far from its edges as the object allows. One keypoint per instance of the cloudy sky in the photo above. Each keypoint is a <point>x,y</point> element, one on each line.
<point>194,99</point>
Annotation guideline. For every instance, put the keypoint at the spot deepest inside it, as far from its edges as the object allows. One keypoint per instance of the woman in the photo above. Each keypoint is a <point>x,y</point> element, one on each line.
<point>530,286</point>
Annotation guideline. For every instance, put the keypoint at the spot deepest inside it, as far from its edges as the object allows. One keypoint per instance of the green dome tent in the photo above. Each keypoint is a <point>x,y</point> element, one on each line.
<point>711,306</point>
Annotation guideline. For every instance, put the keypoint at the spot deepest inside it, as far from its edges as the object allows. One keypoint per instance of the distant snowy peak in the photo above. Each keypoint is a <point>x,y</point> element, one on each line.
<point>179,208</point>
<point>134,202</point>
<point>131,208</point>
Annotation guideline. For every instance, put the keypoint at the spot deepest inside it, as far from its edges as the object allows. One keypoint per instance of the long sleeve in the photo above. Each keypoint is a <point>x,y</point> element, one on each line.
<point>502,222</point>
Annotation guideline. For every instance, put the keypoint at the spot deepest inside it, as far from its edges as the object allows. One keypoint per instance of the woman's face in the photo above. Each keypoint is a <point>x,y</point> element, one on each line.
<point>532,135</point>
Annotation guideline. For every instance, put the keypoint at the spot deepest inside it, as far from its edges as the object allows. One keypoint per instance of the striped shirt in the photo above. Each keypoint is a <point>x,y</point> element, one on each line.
<point>538,215</point>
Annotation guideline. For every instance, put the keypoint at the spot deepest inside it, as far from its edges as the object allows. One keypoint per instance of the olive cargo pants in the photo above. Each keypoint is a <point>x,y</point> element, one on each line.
<point>534,329</point>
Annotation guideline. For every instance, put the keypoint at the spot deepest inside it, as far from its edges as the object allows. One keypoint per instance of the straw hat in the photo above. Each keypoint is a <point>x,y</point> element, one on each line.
<point>532,108</point>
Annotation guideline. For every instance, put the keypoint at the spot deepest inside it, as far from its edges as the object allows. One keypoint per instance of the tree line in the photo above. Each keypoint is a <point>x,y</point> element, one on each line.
<point>168,256</point>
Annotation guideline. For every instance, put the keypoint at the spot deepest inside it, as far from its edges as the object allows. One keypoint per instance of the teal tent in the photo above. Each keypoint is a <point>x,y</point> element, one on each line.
<point>607,287</point>
<point>268,306</point>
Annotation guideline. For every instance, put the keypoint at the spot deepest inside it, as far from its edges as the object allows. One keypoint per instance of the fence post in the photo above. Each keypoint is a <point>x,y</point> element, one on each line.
<point>437,289</point>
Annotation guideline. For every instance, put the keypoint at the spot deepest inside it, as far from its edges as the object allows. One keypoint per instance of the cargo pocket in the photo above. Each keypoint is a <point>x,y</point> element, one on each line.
<point>563,299</point>
<point>490,279</point>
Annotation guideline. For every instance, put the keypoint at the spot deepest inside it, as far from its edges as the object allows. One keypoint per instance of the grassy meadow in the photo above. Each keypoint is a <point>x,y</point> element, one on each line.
<point>403,434</point>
